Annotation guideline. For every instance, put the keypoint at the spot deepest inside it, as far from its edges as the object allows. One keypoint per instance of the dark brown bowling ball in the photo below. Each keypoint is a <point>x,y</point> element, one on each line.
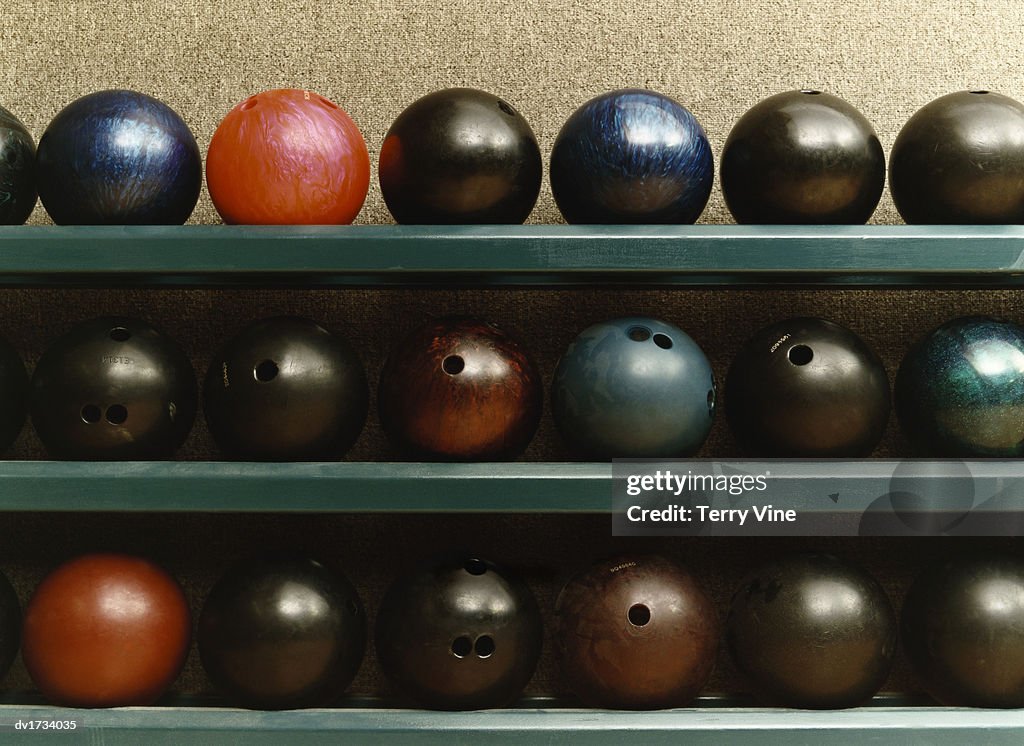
<point>10,625</point>
<point>13,394</point>
<point>636,633</point>
<point>285,389</point>
<point>802,157</point>
<point>960,159</point>
<point>812,631</point>
<point>807,387</point>
<point>459,635</point>
<point>113,388</point>
<point>282,631</point>
<point>963,630</point>
<point>460,389</point>
<point>106,630</point>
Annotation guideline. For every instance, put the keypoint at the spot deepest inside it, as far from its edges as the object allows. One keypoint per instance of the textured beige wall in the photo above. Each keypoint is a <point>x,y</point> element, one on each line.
<point>717,57</point>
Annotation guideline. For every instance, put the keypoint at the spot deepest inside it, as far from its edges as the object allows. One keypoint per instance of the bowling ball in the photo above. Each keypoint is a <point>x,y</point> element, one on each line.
<point>459,635</point>
<point>285,389</point>
<point>118,157</point>
<point>802,157</point>
<point>633,387</point>
<point>17,170</point>
<point>282,631</point>
<point>13,394</point>
<point>807,387</point>
<point>287,156</point>
<point>631,156</point>
<point>960,159</point>
<point>460,156</point>
<point>963,630</point>
<point>461,389</point>
<point>113,388</point>
<point>960,389</point>
<point>636,633</point>
<point>106,630</point>
<point>812,631</point>
<point>10,625</point>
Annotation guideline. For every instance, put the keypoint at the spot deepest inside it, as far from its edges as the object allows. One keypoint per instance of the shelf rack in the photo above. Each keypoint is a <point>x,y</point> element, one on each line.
<point>483,256</point>
<point>532,255</point>
<point>830,494</point>
<point>727,726</point>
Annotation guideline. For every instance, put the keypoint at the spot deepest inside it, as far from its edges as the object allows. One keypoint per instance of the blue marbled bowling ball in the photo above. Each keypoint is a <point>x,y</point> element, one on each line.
<point>960,390</point>
<point>631,156</point>
<point>17,170</point>
<point>118,158</point>
<point>633,388</point>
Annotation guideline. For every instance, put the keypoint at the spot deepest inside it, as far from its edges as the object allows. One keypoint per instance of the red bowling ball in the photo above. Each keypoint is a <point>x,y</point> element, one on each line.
<point>106,630</point>
<point>287,157</point>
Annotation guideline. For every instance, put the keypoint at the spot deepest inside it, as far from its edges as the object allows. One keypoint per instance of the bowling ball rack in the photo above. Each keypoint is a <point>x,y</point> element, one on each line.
<point>639,262</point>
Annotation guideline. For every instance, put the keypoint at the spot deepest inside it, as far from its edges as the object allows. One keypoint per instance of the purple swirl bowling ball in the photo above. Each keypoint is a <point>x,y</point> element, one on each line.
<point>118,158</point>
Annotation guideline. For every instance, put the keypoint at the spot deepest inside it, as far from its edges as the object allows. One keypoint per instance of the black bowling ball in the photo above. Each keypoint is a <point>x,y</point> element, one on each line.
<point>963,630</point>
<point>459,635</point>
<point>17,170</point>
<point>460,156</point>
<point>282,631</point>
<point>960,159</point>
<point>807,387</point>
<point>113,388</point>
<point>802,157</point>
<point>286,389</point>
<point>812,631</point>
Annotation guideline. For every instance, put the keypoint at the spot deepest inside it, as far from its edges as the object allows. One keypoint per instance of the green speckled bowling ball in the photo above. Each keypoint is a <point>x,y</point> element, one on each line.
<point>960,390</point>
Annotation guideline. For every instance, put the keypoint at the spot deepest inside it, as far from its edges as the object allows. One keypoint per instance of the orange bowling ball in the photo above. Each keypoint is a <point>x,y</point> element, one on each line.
<point>288,157</point>
<point>106,630</point>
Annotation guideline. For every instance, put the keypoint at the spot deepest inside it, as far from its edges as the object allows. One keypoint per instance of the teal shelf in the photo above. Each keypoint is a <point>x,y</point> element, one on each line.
<point>714,725</point>
<point>207,486</point>
<point>830,496</point>
<point>532,255</point>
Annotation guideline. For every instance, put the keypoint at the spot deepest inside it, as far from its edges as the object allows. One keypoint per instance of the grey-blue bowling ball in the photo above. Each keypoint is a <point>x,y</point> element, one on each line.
<point>633,387</point>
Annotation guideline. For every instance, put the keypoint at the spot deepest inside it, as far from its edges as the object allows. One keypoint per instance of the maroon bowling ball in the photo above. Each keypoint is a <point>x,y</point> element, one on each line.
<point>636,633</point>
<point>460,389</point>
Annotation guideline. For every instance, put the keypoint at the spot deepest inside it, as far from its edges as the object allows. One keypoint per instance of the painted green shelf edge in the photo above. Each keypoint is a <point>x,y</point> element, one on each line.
<point>215,486</point>
<point>531,255</point>
<point>754,726</point>
<point>828,488</point>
